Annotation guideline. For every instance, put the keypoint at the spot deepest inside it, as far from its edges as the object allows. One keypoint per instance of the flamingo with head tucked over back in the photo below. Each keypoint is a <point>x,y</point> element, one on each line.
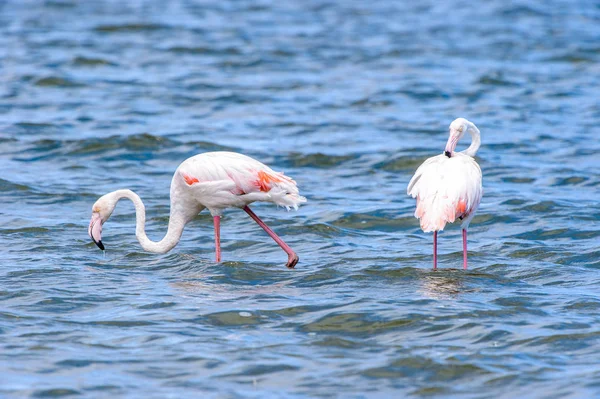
<point>213,180</point>
<point>448,186</point>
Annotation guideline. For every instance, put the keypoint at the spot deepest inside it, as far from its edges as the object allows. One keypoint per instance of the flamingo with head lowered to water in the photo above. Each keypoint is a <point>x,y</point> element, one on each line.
<point>215,181</point>
<point>448,186</point>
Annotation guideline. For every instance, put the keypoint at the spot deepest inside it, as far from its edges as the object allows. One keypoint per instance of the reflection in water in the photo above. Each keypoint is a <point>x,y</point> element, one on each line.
<point>349,98</point>
<point>202,283</point>
<point>446,284</point>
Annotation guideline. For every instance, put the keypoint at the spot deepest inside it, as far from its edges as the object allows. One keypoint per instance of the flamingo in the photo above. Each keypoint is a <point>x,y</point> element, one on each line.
<point>448,186</point>
<point>212,180</point>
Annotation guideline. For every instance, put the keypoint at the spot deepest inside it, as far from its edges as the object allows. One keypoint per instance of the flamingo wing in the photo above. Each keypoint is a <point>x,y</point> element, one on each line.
<point>446,189</point>
<point>226,179</point>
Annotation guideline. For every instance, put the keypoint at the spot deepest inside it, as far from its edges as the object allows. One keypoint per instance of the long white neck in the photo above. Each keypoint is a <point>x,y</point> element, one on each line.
<point>176,224</point>
<point>475,141</point>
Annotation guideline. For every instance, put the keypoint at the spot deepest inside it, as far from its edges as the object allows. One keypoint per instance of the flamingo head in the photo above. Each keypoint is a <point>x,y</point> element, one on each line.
<point>101,211</point>
<point>458,128</point>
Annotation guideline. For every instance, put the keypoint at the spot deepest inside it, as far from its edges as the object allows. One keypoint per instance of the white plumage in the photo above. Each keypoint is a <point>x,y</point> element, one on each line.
<point>446,189</point>
<point>449,186</point>
<point>213,180</point>
<point>221,180</point>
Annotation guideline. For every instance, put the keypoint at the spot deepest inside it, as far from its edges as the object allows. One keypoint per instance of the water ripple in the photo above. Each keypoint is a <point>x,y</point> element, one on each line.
<point>348,99</point>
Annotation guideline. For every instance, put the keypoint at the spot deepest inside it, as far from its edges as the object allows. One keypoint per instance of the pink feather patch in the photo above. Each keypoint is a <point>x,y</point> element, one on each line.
<point>189,179</point>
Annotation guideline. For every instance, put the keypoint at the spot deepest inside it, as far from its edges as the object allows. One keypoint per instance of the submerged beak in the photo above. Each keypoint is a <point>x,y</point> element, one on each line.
<point>451,145</point>
<point>95,230</point>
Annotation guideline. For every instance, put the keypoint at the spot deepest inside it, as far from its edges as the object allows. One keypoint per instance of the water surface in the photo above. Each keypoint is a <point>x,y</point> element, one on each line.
<point>348,99</point>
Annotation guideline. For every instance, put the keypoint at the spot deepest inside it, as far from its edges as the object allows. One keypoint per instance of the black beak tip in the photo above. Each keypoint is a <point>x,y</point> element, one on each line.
<point>99,244</point>
<point>448,154</point>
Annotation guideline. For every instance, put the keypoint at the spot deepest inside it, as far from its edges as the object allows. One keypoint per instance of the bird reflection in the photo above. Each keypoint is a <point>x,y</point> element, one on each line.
<point>443,285</point>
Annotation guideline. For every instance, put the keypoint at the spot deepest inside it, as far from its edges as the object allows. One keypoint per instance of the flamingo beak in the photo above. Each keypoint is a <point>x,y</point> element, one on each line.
<point>95,230</point>
<point>451,144</point>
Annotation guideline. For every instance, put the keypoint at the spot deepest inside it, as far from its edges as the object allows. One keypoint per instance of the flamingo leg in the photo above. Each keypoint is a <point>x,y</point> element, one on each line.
<point>217,223</point>
<point>292,257</point>
<point>435,250</point>
<point>464,235</point>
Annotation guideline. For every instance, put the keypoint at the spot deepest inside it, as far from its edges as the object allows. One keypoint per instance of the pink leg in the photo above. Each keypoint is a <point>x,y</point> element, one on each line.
<point>292,257</point>
<point>434,250</point>
<point>217,223</point>
<point>464,248</point>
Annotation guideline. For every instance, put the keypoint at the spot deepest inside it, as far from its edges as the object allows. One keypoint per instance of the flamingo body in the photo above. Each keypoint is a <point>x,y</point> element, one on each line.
<point>212,180</point>
<point>220,180</point>
<point>449,186</point>
<point>446,189</point>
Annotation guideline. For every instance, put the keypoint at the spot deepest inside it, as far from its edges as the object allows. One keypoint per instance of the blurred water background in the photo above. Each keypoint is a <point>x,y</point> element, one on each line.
<point>348,98</point>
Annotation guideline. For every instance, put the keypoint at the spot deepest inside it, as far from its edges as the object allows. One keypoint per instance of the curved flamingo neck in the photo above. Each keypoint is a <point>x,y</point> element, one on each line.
<point>176,224</point>
<point>475,141</point>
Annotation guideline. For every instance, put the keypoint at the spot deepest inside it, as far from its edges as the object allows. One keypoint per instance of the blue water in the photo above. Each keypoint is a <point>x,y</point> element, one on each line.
<point>348,98</point>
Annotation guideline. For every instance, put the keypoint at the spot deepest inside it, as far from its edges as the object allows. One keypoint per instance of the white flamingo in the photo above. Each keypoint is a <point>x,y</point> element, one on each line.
<point>448,186</point>
<point>213,180</point>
